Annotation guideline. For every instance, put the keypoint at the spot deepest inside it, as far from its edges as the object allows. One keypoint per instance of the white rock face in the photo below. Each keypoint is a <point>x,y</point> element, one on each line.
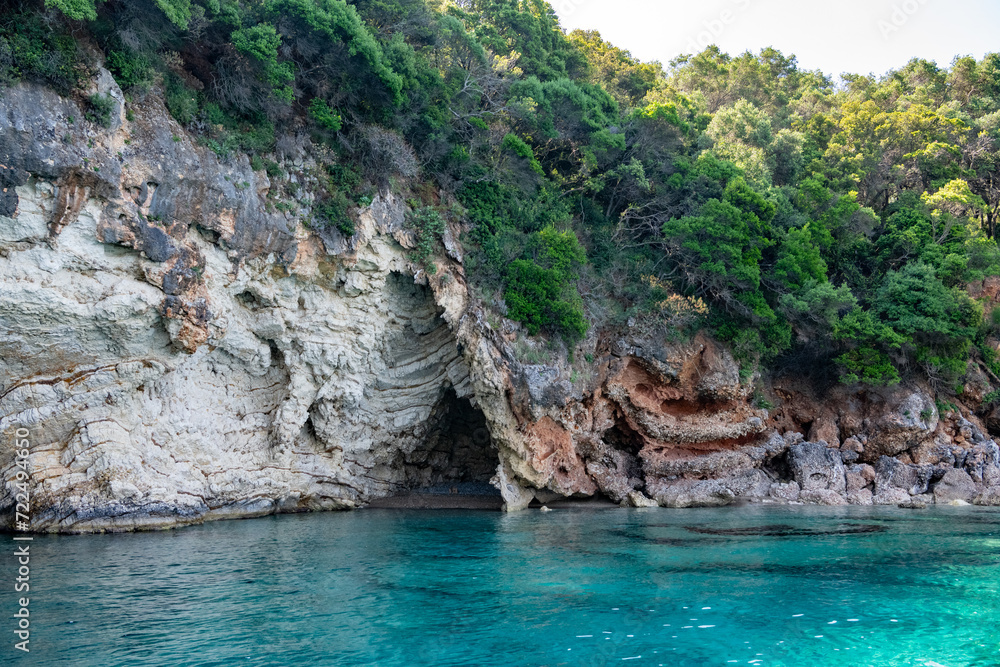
<point>180,347</point>
<point>322,386</point>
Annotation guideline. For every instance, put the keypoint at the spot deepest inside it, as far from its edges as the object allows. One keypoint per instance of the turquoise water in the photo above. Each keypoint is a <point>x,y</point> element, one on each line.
<point>789,586</point>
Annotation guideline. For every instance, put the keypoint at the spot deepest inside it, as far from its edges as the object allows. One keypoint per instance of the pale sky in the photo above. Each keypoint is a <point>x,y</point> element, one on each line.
<point>857,36</point>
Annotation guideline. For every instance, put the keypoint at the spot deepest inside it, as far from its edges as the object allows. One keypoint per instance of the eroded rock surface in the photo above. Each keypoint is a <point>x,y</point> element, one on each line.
<point>177,353</point>
<point>180,350</point>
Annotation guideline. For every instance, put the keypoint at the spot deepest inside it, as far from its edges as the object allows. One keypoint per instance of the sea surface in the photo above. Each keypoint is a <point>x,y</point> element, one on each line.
<point>751,585</point>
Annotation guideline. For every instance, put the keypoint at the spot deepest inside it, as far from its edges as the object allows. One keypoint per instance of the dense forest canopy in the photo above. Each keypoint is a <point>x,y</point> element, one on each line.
<point>815,224</point>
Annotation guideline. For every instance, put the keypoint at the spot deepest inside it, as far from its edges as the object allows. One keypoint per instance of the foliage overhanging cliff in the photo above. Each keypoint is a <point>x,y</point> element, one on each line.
<point>816,225</point>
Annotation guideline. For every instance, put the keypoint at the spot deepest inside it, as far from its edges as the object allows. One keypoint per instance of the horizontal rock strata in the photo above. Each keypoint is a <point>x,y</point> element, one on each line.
<point>179,350</point>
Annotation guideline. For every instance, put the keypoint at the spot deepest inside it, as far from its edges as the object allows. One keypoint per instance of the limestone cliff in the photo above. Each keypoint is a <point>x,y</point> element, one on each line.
<point>179,349</point>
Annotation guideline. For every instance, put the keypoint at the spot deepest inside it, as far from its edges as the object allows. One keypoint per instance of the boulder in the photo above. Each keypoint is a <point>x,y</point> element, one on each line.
<point>982,462</point>
<point>955,485</point>
<point>822,497</point>
<point>852,444</point>
<point>691,493</point>
<point>898,419</point>
<point>793,438</point>
<point>638,499</point>
<point>515,496</point>
<point>912,479</point>
<point>825,429</point>
<point>860,497</point>
<point>989,497</point>
<point>890,495</point>
<point>777,444</point>
<point>814,466</point>
<point>616,473</point>
<point>749,484</point>
<point>788,492</point>
<point>859,476</point>
<point>849,456</point>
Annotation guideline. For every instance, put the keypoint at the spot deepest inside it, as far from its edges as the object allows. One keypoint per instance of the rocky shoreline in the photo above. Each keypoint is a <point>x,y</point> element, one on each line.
<point>181,349</point>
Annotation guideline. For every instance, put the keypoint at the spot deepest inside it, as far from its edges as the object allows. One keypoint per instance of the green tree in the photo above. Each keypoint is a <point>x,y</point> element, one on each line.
<point>625,77</point>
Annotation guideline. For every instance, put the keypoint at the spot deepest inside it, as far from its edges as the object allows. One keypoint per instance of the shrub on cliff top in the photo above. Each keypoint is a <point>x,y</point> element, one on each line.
<point>34,51</point>
<point>540,289</point>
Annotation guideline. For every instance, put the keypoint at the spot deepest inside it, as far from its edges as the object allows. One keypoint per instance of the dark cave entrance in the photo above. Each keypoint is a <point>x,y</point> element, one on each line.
<point>453,466</point>
<point>449,457</point>
<point>623,437</point>
<point>458,448</point>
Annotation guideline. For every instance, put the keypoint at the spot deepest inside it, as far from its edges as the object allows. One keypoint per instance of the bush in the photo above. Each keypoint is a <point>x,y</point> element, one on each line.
<point>78,10</point>
<point>430,227</point>
<point>273,169</point>
<point>343,176</point>
<point>540,288</point>
<point>677,311</point>
<point>131,70</point>
<point>939,323</point>
<point>868,366</point>
<point>32,50</point>
<point>335,211</point>
<point>182,102</point>
<point>325,117</point>
<point>541,298</point>
<point>516,145</point>
<point>101,107</point>
<point>384,153</point>
<point>261,42</point>
<point>869,340</point>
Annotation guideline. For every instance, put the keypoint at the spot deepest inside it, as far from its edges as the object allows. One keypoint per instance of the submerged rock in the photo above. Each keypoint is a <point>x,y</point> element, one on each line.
<point>693,493</point>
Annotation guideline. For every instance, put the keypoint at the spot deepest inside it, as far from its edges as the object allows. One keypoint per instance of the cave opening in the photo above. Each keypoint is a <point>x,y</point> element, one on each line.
<point>623,437</point>
<point>453,465</point>
<point>444,456</point>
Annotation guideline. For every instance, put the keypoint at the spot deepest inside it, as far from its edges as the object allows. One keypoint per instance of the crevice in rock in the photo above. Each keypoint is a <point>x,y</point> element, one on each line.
<point>277,356</point>
<point>209,235</point>
<point>309,429</point>
<point>623,437</point>
<point>686,408</point>
<point>697,449</point>
<point>249,300</point>
<point>778,468</point>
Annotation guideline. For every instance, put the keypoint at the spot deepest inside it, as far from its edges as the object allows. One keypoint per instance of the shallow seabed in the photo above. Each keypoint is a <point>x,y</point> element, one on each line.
<point>795,586</point>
